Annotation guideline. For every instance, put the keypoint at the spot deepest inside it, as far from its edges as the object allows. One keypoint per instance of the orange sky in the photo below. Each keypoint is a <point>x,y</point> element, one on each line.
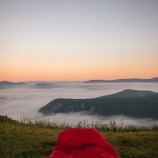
<point>55,41</point>
<point>80,69</point>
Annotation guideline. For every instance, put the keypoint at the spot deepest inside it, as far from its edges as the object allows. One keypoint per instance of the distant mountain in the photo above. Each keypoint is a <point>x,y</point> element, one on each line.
<point>6,84</point>
<point>45,85</point>
<point>124,80</point>
<point>139,104</point>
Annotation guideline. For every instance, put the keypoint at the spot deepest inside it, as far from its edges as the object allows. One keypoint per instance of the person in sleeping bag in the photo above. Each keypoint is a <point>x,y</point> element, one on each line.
<point>82,143</point>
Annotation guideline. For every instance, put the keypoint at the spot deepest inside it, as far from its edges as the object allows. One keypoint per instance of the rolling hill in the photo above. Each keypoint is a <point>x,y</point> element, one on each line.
<point>7,84</point>
<point>133,103</point>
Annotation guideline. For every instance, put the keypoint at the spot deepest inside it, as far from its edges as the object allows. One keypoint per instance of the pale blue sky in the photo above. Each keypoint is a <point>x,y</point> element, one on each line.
<point>96,38</point>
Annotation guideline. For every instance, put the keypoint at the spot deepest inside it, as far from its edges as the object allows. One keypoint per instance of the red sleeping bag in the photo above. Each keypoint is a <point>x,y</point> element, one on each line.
<point>82,143</point>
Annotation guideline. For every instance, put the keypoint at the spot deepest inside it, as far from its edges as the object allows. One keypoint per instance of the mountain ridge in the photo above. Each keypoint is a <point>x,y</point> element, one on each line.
<point>7,84</point>
<point>155,79</point>
<point>142,105</point>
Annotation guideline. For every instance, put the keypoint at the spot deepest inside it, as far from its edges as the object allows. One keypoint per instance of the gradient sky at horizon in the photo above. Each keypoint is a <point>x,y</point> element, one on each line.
<point>78,39</point>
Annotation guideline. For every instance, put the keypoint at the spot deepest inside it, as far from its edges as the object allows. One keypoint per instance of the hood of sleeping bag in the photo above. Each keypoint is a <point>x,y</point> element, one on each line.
<point>82,143</point>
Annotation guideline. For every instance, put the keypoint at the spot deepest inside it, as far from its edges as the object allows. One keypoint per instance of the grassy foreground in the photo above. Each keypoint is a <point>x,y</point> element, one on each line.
<point>21,140</point>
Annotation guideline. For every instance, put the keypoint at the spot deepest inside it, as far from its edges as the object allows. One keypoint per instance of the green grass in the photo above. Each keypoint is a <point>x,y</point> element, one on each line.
<point>36,140</point>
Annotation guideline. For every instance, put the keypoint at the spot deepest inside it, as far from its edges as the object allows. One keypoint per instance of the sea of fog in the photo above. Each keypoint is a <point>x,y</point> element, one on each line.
<point>24,101</point>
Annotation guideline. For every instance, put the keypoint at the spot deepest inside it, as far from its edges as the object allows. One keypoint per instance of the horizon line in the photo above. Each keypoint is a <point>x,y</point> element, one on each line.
<point>75,80</point>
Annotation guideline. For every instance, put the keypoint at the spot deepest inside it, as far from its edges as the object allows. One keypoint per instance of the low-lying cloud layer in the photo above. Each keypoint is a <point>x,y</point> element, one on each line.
<point>25,101</point>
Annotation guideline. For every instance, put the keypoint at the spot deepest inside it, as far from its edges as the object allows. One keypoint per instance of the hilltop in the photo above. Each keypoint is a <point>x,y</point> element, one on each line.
<point>129,93</point>
<point>133,103</point>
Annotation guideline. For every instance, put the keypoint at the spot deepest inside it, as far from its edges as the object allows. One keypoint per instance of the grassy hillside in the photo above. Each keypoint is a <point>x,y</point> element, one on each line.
<point>20,140</point>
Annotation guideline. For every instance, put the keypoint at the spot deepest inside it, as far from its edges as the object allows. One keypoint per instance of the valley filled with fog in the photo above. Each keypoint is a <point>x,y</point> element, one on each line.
<point>23,101</point>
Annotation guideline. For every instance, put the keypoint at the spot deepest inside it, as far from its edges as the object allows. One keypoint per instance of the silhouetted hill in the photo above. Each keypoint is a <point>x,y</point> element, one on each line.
<point>6,84</point>
<point>44,85</point>
<point>124,80</point>
<point>140,104</point>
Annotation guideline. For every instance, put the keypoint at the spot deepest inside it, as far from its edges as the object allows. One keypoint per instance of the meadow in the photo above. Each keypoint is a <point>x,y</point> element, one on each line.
<point>25,139</point>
